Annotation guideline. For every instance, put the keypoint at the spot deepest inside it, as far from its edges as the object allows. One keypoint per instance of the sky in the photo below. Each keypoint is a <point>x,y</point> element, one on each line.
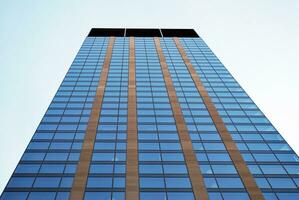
<point>256,40</point>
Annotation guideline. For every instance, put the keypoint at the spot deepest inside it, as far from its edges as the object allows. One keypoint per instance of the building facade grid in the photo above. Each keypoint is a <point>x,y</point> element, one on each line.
<point>49,165</point>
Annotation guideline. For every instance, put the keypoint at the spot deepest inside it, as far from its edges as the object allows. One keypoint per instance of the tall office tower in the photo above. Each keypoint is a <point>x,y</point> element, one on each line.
<point>152,114</point>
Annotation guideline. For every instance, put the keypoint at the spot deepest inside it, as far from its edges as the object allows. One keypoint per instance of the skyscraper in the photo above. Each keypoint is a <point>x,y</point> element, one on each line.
<point>153,114</point>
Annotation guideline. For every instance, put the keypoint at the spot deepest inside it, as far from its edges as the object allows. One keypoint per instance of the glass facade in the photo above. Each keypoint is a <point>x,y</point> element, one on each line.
<point>162,168</point>
<point>48,167</point>
<point>269,158</point>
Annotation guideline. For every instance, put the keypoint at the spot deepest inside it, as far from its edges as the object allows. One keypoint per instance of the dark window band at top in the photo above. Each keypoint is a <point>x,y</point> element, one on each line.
<point>135,32</point>
<point>179,33</point>
<point>97,32</point>
<point>142,32</point>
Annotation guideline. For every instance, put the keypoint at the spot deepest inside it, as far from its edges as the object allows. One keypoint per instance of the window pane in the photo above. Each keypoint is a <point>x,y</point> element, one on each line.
<point>151,183</point>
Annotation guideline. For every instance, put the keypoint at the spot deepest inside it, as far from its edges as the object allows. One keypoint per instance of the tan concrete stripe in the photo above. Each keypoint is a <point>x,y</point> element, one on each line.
<point>79,184</point>
<point>247,178</point>
<point>198,186</point>
<point>132,178</point>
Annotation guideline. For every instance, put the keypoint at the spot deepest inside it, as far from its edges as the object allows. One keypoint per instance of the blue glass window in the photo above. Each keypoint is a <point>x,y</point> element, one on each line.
<point>118,182</point>
<point>41,195</point>
<point>279,147</point>
<point>265,157</point>
<point>149,157</point>
<point>97,195</point>
<point>103,156</point>
<point>292,169</point>
<point>224,169</point>
<point>14,195</point>
<point>152,195</point>
<point>172,157</point>
<point>118,195</point>
<point>235,196</point>
<point>119,169</point>
<point>257,146</point>
<point>180,195</point>
<point>218,157</point>
<point>262,182</point>
<point>170,146</point>
<point>148,146</point>
<point>177,183</point>
<point>214,146</point>
<point>52,168</point>
<point>27,168</point>
<point>66,182</point>
<point>215,196</point>
<point>206,169</point>
<point>38,145</point>
<point>288,196</point>
<point>47,182</point>
<point>229,183</point>
<point>62,195</point>
<point>272,169</point>
<point>56,156</point>
<point>99,182</point>
<point>150,169</point>
<point>151,182</point>
<point>254,169</point>
<point>20,182</point>
<point>175,169</point>
<point>287,157</point>
<point>101,169</point>
<point>210,183</point>
<point>281,183</point>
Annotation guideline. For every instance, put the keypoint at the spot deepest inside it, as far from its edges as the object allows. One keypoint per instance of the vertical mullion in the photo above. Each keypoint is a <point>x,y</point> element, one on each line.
<point>132,178</point>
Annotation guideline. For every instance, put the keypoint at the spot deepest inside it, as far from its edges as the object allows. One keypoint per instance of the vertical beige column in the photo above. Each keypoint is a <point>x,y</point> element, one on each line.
<point>132,177</point>
<point>198,186</point>
<point>244,173</point>
<point>81,175</point>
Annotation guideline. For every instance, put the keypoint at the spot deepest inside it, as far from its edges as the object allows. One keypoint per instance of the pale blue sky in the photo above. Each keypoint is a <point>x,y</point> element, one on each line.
<point>256,40</point>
